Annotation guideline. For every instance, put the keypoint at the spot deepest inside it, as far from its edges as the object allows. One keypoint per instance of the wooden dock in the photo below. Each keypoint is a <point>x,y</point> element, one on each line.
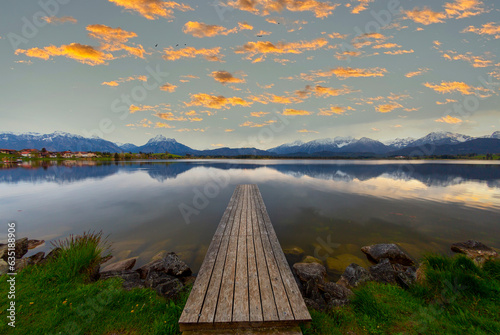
<point>245,282</point>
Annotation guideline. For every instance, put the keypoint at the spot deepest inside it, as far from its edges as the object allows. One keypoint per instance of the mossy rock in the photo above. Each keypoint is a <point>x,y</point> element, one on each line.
<point>295,251</point>
<point>311,259</point>
<point>339,263</point>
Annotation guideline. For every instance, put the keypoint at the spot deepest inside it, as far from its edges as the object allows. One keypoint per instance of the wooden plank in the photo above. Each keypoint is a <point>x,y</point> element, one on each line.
<point>297,303</point>
<point>236,219</point>
<point>269,311</point>
<point>243,219</point>
<point>241,299</point>
<point>227,213</point>
<point>280,296</point>
<point>210,305</point>
<point>197,296</point>
<point>224,311</point>
<point>255,303</point>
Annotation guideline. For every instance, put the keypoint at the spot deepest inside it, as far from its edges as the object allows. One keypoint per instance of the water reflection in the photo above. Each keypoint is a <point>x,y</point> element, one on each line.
<point>328,208</point>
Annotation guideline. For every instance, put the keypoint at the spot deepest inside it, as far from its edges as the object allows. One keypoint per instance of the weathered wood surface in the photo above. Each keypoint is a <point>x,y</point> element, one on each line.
<point>245,281</point>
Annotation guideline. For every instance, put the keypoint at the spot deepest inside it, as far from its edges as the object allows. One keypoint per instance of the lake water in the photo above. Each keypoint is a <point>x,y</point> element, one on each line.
<point>328,208</point>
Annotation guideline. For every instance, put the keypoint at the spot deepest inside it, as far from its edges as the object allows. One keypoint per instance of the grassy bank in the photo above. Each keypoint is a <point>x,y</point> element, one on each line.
<point>58,297</point>
<point>456,298</point>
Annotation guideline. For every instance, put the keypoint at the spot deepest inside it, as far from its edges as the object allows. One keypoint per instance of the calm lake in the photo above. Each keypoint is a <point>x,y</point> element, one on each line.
<point>328,208</point>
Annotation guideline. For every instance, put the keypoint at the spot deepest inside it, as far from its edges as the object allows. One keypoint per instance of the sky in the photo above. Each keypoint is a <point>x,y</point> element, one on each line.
<point>249,73</point>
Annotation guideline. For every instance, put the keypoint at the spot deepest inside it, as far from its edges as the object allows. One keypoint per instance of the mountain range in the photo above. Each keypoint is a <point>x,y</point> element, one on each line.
<point>437,143</point>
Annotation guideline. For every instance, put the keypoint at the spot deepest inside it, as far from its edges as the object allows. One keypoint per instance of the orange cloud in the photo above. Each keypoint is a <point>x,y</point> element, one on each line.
<point>386,108</point>
<point>425,16</point>
<point>84,54</point>
<point>144,123</point>
<point>163,125</point>
<point>187,130</point>
<point>307,131</point>
<point>386,46</point>
<point>169,116</point>
<point>368,39</point>
<point>447,101</point>
<point>319,8</point>
<point>263,33</point>
<point>152,9</point>
<point>110,83</point>
<point>347,54</point>
<point>290,111</point>
<point>455,86</point>
<point>416,73</point>
<point>338,110</point>
<point>337,35</point>
<point>321,91</point>
<point>229,130</point>
<point>200,29</point>
<point>114,39</point>
<point>226,77</point>
<point>486,29</point>
<point>399,52</point>
<point>343,73</point>
<point>195,119</point>
<point>258,114</point>
<point>168,87</point>
<point>59,20</point>
<point>212,55</point>
<point>216,102</point>
<point>256,125</point>
<point>475,61</point>
<point>449,119</point>
<point>272,98</point>
<point>464,8</point>
<point>263,48</point>
<point>363,5</point>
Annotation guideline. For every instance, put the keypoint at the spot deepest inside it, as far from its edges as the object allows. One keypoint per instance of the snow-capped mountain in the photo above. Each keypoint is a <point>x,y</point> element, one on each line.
<point>324,144</point>
<point>160,143</point>
<point>439,138</point>
<point>57,141</point>
<point>496,134</point>
<point>399,143</point>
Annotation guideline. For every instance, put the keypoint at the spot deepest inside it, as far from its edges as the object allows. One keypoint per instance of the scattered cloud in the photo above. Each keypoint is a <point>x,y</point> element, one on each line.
<point>475,61</point>
<point>118,81</point>
<point>456,86</point>
<point>386,108</point>
<point>348,72</point>
<point>361,6</point>
<point>425,16</point>
<point>307,131</point>
<point>321,9</point>
<point>59,20</point>
<point>489,28</point>
<point>386,46</point>
<point>449,119</point>
<point>224,77</point>
<point>399,52</point>
<point>114,39</point>
<point>457,9</point>
<point>141,108</point>
<point>338,35</point>
<point>228,130</point>
<point>168,87</point>
<point>256,125</point>
<point>212,54</point>
<point>163,125</point>
<point>216,102</point>
<point>144,123</point>
<point>200,29</point>
<point>290,111</point>
<point>110,83</point>
<point>417,73</point>
<point>259,114</point>
<point>275,99</point>
<point>337,110</point>
<point>321,91</point>
<point>84,54</point>
<point>447,101</point>
<point>152,9</point>
<point>263,48</point>
<point>169,116</point>
<point>263,33</point>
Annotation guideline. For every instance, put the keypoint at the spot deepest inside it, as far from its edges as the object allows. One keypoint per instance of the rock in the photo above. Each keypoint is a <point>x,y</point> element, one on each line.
<point>354,276</point>
<point>188,280</point>
<point>311,276</point>
<point>383,272</point>
<point>170,264</point>
<point>105,259</point>
<point>392,252</point>
<point>24,262</point>
<point>339,263</point>
<point>310,303</point>
<point>124,265</point>
<point>169,288</point>
<point>475,250</point>
<point>131,279</point>
<point>21,247</point>
<point>32,244</point>
<point>4,267</point>
<point>406,278</point>
<point>294,254</point>
<point>311,259</point>
<point>159,255</point>
<point>156,278</point>
<point>3,252</point>
<point>335,294</point>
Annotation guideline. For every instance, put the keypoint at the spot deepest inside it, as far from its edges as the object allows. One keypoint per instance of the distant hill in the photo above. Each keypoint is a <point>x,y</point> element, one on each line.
<point>479,146</point>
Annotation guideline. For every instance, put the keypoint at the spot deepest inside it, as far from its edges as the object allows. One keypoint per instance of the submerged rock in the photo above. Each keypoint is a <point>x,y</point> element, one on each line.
<point>294,254</point>
<point>392,252</point>
<point>341,262</point>
<point>124,265</point>
<point>354,276</point>
<point>311,259</point>
<point>170,264</point>
<point>475,250</point>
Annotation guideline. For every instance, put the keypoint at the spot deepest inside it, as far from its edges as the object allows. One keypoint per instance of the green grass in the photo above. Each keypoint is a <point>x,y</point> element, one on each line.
<point>457,298</point>
<point>58,298</point>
